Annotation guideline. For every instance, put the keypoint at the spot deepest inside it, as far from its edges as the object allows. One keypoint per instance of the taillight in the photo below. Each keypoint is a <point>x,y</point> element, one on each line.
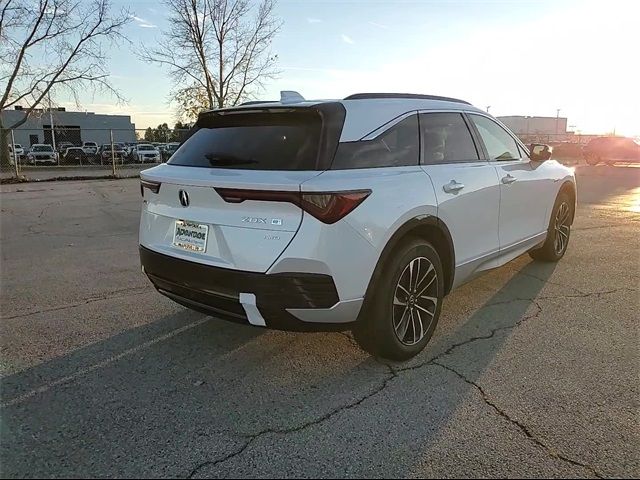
<point>153,186</point>
<point>328,207</point>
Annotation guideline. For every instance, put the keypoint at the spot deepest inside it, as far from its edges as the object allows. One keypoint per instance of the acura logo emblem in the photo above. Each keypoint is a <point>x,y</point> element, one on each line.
<point>184,198</point>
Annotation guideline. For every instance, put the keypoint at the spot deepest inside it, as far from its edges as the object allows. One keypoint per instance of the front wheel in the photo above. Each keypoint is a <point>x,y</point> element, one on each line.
<point>402,313</point>
<point>558,233</point>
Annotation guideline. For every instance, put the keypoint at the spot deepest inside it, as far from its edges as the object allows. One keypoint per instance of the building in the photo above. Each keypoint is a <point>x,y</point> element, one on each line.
<point>73,127</point>
<point>535,125</point>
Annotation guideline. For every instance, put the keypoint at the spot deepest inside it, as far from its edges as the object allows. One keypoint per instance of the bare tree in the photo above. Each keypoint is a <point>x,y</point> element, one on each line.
<point>51,47</point>
<point>216,50</point>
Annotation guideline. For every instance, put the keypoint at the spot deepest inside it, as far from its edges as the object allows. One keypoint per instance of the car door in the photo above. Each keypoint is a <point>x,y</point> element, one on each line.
<point>524,188</point>
<point>466,189</point>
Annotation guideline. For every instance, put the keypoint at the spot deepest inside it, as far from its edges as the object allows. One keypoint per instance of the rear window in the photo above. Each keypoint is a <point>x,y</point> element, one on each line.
<point>253,141</point>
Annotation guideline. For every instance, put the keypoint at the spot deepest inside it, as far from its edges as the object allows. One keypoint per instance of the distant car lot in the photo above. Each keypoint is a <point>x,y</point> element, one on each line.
<point>533,370</point>
<point>90,153</point>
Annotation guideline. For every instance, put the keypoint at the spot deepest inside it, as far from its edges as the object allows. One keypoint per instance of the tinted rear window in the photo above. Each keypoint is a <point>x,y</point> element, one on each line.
<point>253,141</point>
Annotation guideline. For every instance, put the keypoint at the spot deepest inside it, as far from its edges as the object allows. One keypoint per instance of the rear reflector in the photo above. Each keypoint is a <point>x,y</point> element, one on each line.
<point>153,186</point>
<point>328,207</point>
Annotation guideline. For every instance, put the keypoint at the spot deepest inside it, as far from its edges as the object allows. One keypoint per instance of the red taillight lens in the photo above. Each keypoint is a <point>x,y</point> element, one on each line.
<point>153,186</point>
<point>331,207</point>
<point>328,207</point>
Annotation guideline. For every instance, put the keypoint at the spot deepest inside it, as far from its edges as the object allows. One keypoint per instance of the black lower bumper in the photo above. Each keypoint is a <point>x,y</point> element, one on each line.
<point>216,291</point>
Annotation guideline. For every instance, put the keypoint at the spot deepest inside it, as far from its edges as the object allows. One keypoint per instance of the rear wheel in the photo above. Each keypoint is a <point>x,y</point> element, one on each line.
<point>403,312</point>
<point>558,232</point>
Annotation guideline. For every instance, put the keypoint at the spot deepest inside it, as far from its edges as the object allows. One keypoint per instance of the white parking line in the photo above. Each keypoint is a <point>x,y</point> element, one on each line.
<point>104,363</point>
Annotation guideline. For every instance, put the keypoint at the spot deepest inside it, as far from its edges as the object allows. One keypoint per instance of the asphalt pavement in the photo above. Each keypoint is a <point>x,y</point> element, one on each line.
<point>533,371</point>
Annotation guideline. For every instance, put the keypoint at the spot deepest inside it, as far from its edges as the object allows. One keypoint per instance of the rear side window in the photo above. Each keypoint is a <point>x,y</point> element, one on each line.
<point>446,139</point>
<point>500,145</point>
<point>253,141</point>
<point>398,146</point>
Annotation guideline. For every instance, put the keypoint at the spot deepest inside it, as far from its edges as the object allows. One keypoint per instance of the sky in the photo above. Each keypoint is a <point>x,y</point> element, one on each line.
<point>516,57</point>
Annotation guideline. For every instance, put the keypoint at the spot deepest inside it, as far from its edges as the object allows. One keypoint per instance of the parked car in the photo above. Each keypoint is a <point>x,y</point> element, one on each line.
<point>74,155</point>
<point>169,150</point>
<point>19,152</point>
<point>361,213</point>
<point>129,148</point>
<point>62,146</point>
<point>611,150</point>
<point>146,152</point>
<point>42,153</point>
<point>118,152</point>
<point>90,148</point>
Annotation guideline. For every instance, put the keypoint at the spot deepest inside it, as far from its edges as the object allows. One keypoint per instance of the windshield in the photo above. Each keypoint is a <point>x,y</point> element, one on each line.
<point>42,148</point>
<point>254,141</point>
<point>146,147</point>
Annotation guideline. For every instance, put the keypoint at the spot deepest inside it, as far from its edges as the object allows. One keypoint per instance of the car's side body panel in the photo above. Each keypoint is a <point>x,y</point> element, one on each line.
<point>470,214</point>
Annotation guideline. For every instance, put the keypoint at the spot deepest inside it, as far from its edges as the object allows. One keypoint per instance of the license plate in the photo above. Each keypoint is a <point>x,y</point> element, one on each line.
<point>190,236</point>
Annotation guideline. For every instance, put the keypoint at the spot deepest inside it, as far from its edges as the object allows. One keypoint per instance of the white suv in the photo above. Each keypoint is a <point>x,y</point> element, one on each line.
<point>363,212</point>
<point>42,153</point>
<point>144,152</point>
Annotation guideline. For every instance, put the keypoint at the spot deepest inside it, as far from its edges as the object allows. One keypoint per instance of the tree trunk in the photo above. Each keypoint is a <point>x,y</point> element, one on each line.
<point>4,145</point>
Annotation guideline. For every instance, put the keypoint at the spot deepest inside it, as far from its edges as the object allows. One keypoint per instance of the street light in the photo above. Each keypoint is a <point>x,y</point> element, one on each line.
<point>488,107</point>
<point>557,120</point>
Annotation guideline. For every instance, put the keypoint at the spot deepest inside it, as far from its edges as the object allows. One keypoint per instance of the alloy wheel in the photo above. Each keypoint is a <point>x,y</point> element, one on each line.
<point>415,300</point>
<point>562,228</point>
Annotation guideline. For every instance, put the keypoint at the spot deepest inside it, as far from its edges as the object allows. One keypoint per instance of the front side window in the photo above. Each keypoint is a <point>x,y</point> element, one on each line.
<point>446,139</point>
<point>499,144</point>
<point>398,146</point>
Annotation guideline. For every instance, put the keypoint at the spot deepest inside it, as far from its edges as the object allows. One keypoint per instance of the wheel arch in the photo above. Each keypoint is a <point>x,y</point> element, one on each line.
<point>569,188</point>
<point>427,227</point>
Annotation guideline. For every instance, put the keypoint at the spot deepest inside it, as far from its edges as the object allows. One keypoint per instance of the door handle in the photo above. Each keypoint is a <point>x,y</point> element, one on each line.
<point>453,187</point>
<point>508,179</point>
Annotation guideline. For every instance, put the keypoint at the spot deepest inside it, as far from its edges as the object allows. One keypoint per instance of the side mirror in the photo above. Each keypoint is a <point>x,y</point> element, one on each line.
<point>540,152</point>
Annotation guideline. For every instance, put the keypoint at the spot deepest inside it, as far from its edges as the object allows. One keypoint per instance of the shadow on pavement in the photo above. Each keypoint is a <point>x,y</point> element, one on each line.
<point>161,410</point>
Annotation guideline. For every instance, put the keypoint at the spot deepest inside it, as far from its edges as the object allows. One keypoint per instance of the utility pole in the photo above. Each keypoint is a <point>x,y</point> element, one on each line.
<point>557,120</point>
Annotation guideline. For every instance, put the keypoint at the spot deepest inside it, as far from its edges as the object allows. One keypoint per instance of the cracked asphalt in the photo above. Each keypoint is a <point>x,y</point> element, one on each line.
<point>533,370</point>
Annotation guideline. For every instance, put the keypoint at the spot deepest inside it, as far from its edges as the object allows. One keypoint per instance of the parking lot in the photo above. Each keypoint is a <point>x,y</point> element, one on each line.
<point>532,371</point>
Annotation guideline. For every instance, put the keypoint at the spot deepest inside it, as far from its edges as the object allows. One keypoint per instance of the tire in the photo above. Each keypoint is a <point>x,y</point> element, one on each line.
<point>558,233</point>
<point>396,325</point>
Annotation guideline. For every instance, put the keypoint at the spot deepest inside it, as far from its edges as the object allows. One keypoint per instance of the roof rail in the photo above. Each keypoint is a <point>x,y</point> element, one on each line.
<point>363,96</point>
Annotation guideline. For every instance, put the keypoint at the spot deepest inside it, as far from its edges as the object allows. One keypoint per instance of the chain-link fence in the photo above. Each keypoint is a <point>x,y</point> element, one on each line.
<point>43,154</point>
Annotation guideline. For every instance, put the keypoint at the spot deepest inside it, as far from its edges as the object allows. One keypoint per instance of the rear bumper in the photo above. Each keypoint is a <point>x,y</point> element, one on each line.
<point>288,301</point>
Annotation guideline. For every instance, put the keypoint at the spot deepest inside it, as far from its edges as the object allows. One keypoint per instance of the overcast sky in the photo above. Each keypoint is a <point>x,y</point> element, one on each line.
<point>519,57</point>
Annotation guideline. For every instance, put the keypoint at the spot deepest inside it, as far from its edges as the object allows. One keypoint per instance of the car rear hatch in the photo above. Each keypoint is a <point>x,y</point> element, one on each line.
<point>211,202</point>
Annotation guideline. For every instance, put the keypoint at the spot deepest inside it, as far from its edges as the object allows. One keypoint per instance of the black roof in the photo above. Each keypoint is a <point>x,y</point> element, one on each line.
<point>363,96</point>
